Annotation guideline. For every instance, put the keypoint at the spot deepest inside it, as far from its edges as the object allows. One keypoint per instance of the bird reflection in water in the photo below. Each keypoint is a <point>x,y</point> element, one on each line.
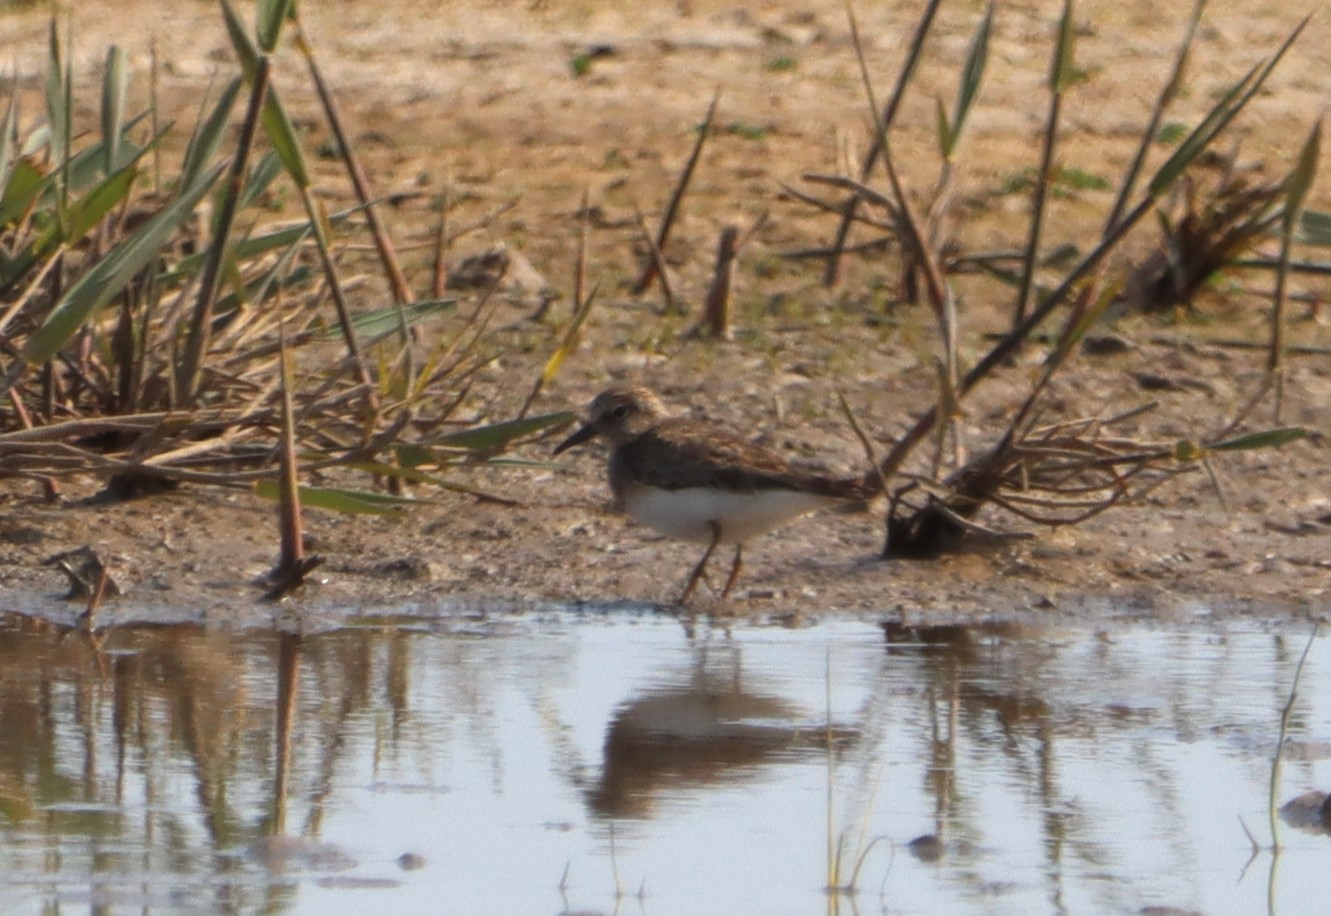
<point>709,730</point>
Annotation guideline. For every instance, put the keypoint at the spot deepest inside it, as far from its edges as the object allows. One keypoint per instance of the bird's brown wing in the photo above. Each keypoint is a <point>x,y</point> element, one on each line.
<point>684,453</point>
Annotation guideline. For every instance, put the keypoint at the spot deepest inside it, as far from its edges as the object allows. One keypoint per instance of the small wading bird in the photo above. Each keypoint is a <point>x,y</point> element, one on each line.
<point>699,482</point>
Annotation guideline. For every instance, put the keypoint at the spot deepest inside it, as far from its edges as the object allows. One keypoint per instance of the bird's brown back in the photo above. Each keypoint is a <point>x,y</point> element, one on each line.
<point>679,453</point>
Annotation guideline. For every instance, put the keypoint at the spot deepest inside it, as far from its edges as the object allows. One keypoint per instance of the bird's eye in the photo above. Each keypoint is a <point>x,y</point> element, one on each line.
<point>620,412</point>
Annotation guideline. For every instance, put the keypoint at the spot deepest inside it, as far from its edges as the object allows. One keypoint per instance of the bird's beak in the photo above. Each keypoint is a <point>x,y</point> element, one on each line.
<point>582,435</point>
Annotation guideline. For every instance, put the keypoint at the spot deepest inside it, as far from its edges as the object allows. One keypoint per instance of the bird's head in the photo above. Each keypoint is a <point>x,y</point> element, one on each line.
<point>618,414</point>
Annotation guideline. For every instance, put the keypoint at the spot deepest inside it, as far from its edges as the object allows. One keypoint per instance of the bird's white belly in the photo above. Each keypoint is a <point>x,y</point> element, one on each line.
<point>688,514</point>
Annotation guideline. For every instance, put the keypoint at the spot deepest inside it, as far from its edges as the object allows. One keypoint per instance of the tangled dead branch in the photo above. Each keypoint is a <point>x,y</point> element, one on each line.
<point>1059,474</point>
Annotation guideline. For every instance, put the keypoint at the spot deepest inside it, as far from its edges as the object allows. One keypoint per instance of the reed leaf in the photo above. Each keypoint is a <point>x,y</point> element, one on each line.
<point>268,18</point>
<point>946,141</point>
<point>1064,71</point>
<point>208,137</point>
<point>115,86</point>
<point>1218,118</point>
<point>113,273</point>
<point>279,276</point>
<point>1296,187</point>
<point>497,436</point>
<point>353,502</point>
<point>1314,228</point>
<point>1269,438</point>
<point>411,475</point>
<point>282,134</point>
<point>83,168</point>
<point>276,124</point>
<point>8,134</point>
<point>25,183</point>
<point>56,96</point>
<point>1167,95</point>
<point>968,90</point>
<point>260,178</point>
<point>88,210</point>
<point>250,248</point>
<point>380,321</point>
<point>1300,180</point>
<point>28,184</point>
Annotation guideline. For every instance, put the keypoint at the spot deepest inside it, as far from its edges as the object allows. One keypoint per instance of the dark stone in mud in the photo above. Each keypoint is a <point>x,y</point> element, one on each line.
<point>408,569</point>
<point>25,535</point>
<point>410,861</point>
<point>926,848</point>
<point>1106,345</point>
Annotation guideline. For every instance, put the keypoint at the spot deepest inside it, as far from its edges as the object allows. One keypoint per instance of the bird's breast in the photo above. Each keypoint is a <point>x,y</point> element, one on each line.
<point>688,514</point>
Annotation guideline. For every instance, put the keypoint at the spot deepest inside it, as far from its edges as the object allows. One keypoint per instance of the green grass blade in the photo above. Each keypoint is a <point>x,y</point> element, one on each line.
<point>1296,186</point>
<point>1314,228</point>
<point>1063,73</point>
<point>88,210</point>
<point>268,19</point>
<point>83,214</point>
<point>1224,111</point>
<point>115,86</point>
<point>411,455</point>
<point>55,99</point>
<point>409,474</point>
<point>1081,322</point>
<point>247,55</point>
<point>88,166</point>
<point>279,276</point>
<point>1201,136</point>
<point>26,181</point>
<point>972,75</point>
<point>499,435</point>
<point>1300,180</point>
<point>1269,438</point>
<point>281,133</point>
<point>260,244</point>
<point>260,178</point>
<point>95,288</point>
<point>1148,135</point>
<point>8,136</point>
<point>378,322</point>
<point>352,502</point>
<point>944,130</point>
<point>211,131</point>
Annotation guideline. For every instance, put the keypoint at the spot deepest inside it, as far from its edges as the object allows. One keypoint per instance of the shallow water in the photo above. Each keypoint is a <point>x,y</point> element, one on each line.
<point>615,762</point>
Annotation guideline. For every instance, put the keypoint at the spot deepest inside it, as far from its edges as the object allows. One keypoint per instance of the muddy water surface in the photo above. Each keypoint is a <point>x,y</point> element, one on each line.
<point>617,762</point>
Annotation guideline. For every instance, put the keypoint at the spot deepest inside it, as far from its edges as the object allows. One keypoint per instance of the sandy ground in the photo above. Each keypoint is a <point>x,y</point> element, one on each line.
<point>481,100</point>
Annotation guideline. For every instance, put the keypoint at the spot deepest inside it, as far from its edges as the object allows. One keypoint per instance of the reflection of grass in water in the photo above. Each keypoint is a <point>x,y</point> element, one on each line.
<point>178,703</point>
<point>840,884</point>
<point>1273,794</point>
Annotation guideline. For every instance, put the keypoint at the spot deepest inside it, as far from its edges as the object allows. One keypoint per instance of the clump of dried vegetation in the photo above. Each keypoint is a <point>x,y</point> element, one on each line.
<point>1069,470</point>
<point>154,327</point>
